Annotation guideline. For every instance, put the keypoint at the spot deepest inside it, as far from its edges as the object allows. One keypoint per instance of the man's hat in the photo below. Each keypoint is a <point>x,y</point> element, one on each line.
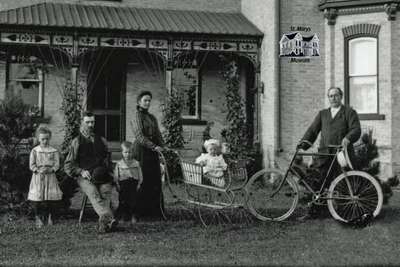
<point>346,158</point>
<point>100,174</point>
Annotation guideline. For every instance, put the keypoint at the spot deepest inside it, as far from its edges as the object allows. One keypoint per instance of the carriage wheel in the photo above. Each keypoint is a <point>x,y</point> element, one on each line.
<point>214,214</point>
<point>208,216</point>
<point>172,204</point>
<point>354,194</point>
<point>265,202</point>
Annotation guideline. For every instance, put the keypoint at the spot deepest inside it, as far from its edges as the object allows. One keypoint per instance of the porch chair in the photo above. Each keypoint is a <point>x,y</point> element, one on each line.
<point>83,207</point>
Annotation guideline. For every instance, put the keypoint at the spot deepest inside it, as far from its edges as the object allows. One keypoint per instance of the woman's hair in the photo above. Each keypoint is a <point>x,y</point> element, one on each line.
<point>142,94</point>
<point>43,130</point>
<point>126,144</point>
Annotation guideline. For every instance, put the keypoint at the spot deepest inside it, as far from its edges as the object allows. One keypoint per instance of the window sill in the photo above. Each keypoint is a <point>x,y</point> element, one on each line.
<point>193,122</point>
<point>370,117</point>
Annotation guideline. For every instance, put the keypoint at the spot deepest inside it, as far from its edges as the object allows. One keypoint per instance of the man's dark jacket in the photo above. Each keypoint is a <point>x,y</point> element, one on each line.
<point>333,130</point>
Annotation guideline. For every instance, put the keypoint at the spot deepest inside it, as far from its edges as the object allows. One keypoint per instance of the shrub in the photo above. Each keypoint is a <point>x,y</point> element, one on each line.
<point>366,152</point>
<point>16,131</point>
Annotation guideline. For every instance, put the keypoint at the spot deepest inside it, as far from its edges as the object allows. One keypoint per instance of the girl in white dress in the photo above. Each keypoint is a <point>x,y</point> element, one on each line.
<point>44,191</point>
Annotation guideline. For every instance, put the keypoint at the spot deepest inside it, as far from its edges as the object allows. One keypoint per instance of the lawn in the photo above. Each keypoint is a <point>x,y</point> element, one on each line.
<point>186,242</point>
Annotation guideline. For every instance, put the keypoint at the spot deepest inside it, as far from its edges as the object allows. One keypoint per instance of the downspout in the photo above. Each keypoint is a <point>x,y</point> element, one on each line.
<point>277,27</point>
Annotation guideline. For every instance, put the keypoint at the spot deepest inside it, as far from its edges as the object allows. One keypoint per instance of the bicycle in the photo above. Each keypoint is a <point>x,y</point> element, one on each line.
<point>274,194</point>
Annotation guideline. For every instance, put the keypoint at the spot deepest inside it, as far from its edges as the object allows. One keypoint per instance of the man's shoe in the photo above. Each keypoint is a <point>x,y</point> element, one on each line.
<point>112,225</point>
<point>102,228</point>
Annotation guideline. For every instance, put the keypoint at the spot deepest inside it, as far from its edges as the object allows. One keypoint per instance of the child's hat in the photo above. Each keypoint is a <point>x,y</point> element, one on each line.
<point>211,142</point>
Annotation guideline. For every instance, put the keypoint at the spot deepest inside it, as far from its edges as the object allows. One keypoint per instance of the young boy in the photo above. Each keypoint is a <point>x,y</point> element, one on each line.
<point>128,179</point>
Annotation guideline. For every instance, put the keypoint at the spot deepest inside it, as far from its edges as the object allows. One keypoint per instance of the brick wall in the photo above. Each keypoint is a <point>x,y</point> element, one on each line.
<point>262,13</point>
<point>293,92</point>
<point>53,86</point>
<point>302,88</point>
<point>394,70</point>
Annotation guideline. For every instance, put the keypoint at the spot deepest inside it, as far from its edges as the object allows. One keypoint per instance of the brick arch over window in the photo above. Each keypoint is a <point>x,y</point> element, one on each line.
<point>361,71</point>
<point>361,29</point>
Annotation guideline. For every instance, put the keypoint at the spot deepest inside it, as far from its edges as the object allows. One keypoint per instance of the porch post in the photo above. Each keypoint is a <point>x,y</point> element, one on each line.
<point>168,79</point>
<point>75,65</point>
<point>169,66</point>
<point>259,90</point>
<point>74,76</point>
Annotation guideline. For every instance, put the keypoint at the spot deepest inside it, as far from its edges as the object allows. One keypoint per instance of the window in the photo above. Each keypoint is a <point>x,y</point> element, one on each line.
<point>362,83</point>
<point>26,81</point>
<point>186,80</point>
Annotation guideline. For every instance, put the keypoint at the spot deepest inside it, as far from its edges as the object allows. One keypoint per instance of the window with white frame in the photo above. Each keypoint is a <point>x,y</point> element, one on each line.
<point>186,80</point>
<point>25,80</point>
<point>363,75</point>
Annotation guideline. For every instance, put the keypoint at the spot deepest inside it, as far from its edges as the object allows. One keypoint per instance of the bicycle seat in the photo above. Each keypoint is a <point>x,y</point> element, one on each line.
<point>344,158</point>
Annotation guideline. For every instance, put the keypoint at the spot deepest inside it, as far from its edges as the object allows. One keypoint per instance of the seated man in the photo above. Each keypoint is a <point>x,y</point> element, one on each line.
<point>88,162</point>
<point>338,125</point>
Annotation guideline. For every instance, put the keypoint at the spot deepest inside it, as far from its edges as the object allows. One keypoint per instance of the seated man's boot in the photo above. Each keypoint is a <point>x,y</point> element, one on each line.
<point>104,221</point>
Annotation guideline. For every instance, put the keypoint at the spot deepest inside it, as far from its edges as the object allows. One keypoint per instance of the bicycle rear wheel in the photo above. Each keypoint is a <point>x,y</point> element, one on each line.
<point>266,201</point>
<point>353,195</point>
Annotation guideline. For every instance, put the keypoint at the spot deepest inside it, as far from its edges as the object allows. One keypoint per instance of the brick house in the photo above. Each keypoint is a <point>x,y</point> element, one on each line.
<point>358,51</point>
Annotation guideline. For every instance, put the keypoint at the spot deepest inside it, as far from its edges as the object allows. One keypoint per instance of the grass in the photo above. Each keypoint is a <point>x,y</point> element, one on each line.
<point>186,242</point>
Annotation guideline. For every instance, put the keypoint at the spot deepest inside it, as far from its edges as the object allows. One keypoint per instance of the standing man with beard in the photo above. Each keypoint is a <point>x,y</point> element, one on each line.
<point>338,125</point>
<point>88,162</point>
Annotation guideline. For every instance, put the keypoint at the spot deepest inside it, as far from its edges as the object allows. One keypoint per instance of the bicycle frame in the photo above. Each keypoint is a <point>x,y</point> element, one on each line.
<point>301,179</point>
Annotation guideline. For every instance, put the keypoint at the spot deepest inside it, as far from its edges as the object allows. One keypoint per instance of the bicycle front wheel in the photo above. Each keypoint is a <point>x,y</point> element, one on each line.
<point>354,194</point>
<point>268,200</point>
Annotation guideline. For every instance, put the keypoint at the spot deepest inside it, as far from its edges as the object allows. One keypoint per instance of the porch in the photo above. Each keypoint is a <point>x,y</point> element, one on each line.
<point>112,53</point>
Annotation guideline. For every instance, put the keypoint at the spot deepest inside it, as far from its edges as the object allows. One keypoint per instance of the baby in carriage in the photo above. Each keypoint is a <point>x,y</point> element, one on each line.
<point>213,163</point>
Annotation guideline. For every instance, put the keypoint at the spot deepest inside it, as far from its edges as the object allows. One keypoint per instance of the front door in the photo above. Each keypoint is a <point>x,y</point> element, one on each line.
<point>106,92</point>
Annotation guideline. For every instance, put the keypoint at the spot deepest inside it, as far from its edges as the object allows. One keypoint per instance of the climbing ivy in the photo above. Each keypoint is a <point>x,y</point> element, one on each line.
<point>172,119</point>
<point>236,133</point>
<point>71,108</point>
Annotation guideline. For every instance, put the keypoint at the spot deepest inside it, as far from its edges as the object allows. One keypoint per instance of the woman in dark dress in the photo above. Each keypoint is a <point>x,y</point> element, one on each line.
<point>148,142</point>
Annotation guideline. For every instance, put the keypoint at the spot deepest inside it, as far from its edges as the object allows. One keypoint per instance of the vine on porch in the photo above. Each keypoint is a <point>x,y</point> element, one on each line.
<point>173,134</point>
<point>172,119</point>
<point>236,133</point>
<point>71,108</point>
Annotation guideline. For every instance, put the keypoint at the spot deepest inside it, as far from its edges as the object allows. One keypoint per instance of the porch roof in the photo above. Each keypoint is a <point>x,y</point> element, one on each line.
<point>128,18</point>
